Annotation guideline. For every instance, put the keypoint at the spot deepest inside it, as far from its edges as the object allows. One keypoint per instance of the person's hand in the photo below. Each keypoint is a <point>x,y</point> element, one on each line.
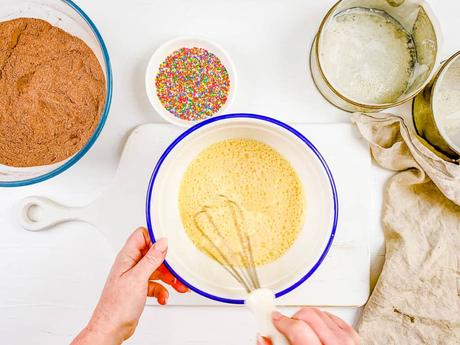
<point>311,326</point>
<point>128,285</point>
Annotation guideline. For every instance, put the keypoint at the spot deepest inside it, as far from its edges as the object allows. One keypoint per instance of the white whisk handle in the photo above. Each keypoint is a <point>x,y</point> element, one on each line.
<point>261,303</point>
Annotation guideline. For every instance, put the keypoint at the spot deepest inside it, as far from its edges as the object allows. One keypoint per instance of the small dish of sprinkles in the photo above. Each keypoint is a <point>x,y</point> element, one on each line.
<point>189,80</point>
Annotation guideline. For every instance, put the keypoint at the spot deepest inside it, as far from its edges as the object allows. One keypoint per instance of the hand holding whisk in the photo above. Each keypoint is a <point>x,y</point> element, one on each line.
<point>238,260</point>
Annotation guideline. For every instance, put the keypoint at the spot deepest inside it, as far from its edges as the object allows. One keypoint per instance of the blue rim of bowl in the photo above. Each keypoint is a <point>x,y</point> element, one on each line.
<point>266,119</point>
<point>108,99</point>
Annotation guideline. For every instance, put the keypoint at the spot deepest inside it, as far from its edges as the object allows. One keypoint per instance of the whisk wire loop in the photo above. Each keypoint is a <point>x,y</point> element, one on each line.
<point>244,271</point>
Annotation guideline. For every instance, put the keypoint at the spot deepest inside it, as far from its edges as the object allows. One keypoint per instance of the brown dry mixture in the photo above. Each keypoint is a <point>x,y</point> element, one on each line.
<point>52,93</point>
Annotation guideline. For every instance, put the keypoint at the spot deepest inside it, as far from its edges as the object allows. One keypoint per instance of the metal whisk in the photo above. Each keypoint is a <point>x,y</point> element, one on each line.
<point>260,301</point>
<point>246,273</point>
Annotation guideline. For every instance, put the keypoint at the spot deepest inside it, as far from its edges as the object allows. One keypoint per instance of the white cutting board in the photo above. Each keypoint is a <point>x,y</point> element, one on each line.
<point>341,280</point>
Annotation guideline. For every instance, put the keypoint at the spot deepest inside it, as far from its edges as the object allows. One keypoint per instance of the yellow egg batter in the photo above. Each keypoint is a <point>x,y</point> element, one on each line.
<point>264,186</point>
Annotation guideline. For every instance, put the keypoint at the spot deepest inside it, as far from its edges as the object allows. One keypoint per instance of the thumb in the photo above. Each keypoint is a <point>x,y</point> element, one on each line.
<point>152,259</point>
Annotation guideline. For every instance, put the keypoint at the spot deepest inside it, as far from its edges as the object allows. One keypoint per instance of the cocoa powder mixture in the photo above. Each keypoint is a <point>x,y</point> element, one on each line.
<point>52,93</point>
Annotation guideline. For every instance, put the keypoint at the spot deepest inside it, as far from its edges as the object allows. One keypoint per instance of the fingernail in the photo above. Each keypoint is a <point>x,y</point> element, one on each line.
<point>161,245</point>
<point>260,340</point>
<point>276,316</point>
<point>183,289</point>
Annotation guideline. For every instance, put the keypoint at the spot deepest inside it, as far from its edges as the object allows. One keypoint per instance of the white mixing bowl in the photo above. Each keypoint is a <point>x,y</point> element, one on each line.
<point>165,50</point>
<point>201,273</point>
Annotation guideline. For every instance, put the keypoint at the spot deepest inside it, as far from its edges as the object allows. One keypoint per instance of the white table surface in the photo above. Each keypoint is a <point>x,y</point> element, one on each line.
<point>50,281</point>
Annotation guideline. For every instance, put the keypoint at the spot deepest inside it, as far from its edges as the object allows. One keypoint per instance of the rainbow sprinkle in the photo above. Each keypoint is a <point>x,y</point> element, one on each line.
<point>192,84</point>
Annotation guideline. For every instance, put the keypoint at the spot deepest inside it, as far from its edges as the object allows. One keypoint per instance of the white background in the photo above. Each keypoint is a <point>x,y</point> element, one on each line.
<point>50,281</point>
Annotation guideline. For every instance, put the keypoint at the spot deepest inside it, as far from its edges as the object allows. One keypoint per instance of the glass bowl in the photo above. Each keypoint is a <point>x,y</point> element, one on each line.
<point>66,15</point>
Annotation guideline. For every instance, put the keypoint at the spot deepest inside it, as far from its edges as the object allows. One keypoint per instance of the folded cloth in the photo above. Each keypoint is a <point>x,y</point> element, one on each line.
<point>417,297</point>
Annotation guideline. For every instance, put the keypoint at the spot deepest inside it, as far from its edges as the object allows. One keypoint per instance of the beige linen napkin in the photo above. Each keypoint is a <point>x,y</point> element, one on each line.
<point>417,297</point>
